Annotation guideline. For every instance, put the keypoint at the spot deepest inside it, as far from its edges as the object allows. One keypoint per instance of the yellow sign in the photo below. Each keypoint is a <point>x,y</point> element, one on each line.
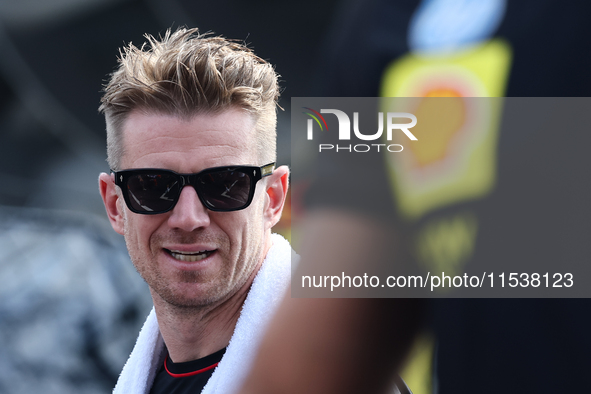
<point>454,158</point>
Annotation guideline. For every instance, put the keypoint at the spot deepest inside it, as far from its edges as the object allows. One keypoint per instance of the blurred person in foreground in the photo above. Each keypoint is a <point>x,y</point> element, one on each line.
<point>535,211</point>
<point>194,190</point>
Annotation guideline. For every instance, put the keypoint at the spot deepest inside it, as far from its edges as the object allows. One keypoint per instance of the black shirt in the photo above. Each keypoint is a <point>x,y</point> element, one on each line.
<point>187,377</point>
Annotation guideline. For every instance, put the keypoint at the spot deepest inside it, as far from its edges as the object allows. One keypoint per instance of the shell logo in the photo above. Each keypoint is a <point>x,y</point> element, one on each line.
<point>453,98</point>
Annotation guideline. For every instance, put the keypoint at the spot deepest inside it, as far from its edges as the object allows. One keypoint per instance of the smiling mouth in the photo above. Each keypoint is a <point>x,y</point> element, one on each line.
<point>190,257</point>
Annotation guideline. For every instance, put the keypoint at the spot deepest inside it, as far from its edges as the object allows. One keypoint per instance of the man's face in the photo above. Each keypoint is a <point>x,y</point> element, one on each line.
<point>191,256</point>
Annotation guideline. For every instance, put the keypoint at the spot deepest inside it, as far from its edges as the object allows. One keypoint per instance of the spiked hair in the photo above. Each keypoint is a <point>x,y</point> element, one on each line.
<point>186,73</point>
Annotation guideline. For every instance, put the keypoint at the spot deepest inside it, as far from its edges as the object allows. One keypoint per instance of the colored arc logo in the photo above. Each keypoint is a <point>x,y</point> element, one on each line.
<point>315,117</point>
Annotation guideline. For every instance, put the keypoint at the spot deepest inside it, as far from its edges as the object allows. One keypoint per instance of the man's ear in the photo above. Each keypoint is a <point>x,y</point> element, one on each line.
<point>276,193</point>
<point>111,200</point>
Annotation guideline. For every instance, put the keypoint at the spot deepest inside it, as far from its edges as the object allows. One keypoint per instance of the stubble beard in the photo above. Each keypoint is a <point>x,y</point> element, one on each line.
<point>215,290</point>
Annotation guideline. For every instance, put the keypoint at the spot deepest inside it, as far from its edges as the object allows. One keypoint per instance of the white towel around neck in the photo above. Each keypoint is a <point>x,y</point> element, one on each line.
<point>267,290</point>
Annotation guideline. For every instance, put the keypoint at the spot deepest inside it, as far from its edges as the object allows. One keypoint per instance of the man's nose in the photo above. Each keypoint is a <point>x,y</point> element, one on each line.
<point>189,213</point>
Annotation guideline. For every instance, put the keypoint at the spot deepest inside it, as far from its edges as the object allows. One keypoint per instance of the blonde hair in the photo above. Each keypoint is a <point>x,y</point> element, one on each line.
<point>186,73</point>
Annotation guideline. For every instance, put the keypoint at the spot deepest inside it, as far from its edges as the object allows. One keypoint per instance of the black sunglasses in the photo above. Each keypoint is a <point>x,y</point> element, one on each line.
<point>150,191</point>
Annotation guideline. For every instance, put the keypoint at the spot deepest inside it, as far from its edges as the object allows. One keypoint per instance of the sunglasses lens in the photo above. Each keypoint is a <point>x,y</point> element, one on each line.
<point>156,191</point>
<point>152,192</point>
<point>225,189</point>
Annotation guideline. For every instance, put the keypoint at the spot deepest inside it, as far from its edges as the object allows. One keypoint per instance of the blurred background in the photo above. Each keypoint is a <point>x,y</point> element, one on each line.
<point>71,304</point>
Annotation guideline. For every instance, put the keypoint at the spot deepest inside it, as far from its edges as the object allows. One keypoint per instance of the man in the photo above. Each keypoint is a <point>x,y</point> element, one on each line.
<point>191,145</point>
